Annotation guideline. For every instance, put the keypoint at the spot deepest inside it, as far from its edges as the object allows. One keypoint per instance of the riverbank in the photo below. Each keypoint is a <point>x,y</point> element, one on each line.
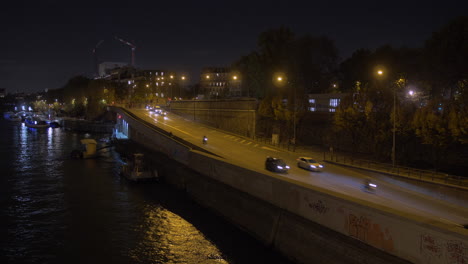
<point>81,125</point>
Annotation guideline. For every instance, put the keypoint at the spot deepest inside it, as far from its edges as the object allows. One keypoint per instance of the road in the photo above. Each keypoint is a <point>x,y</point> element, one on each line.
<point>251,154</point>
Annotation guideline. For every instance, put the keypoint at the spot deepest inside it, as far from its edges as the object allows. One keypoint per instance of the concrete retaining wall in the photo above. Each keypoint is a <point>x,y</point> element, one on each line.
<point>86,126</point>
<point>413,238</point>
<point>236,116</point>
<point>304,222</point>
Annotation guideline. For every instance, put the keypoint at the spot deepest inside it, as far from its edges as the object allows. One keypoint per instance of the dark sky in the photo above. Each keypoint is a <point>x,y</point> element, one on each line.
<point>45,43</point>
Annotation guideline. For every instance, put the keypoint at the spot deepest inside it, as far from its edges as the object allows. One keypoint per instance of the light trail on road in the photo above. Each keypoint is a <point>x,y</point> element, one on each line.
<point>251,155</point>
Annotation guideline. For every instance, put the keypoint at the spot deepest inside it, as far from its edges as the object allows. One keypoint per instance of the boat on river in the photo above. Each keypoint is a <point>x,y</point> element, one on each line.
<point>136,169</point>
<point>35,122</point>
<point>14,117</point>
<point>90,148</point>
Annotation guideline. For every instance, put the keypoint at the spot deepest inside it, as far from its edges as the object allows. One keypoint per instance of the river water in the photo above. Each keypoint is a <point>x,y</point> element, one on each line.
<point>57,210</point>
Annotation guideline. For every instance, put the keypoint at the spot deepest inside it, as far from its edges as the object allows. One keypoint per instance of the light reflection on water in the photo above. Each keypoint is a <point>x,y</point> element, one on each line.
<point>170,239</point>
<point>57,210</point>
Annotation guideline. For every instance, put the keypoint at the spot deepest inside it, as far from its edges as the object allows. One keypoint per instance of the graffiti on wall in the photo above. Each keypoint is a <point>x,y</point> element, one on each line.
<point>436,250</point>
<point>364,229</point>
<point>318,206</point>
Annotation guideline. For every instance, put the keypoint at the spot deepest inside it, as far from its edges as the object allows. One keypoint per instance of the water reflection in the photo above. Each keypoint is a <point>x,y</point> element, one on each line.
<point>168,238</point>
<point>58,210</point>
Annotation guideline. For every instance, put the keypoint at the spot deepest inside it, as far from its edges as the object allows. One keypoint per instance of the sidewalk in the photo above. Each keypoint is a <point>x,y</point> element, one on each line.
<point>431,176</point>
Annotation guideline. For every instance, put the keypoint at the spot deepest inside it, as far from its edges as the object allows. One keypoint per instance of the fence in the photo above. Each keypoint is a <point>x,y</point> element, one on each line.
<point>282,145</point>
<point>426,175</point>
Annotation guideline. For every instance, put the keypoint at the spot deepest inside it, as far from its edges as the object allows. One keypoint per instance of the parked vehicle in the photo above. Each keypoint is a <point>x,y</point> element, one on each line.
<point>309,164</point>
<point>276,165</point>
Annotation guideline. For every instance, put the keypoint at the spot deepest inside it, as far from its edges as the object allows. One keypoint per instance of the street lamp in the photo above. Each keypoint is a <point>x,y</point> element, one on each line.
<point>400,81</point>
<point>280,80</point>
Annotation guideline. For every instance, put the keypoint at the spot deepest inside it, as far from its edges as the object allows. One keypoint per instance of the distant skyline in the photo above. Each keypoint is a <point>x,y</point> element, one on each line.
<point>46,43</point>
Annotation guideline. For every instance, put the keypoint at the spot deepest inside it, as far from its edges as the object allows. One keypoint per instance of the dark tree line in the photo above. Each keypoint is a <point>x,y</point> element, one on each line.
<point>429,84</point>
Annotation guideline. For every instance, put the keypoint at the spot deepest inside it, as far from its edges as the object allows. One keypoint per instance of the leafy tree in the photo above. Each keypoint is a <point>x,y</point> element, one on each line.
<point>40,106</point>
<point>431,124</point>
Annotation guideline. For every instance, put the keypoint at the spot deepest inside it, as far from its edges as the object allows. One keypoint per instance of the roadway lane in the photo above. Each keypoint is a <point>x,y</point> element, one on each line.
<point>251,155</point>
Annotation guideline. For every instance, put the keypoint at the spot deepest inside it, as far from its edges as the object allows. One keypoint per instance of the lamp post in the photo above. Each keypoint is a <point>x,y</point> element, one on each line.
<point>281,81</point>
<point>381,73</point>
<point>394,126</point>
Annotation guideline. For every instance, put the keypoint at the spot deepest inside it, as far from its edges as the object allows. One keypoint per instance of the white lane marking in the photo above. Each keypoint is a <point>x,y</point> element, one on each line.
<point>242,141</point>
<point>249,143</point>
<point>175,128</point>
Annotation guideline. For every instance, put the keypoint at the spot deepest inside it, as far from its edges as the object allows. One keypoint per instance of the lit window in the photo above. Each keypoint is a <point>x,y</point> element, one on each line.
<point>332,110</point>
<point>334,102</point>
<point>312,109</point>
<point>312,101</point>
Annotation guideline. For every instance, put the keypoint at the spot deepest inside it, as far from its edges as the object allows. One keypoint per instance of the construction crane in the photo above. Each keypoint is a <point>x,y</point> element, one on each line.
<point>131,45</point>
<point>96,61</point>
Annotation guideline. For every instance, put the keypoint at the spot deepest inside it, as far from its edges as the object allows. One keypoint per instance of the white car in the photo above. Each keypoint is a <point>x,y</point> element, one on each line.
<point>309,164</point>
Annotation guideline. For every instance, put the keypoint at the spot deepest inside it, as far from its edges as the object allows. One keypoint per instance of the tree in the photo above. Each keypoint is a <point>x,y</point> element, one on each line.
<point>431,125</point>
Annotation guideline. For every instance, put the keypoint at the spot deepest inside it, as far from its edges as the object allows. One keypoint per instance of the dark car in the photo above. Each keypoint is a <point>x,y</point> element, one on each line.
<point>276,165</point>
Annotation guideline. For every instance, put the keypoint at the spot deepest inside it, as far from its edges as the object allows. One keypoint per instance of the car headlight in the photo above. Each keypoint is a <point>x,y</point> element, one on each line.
<point>320,166</point>
<point>280,167</point>
<point>287,167</point>
<point>313,166</point>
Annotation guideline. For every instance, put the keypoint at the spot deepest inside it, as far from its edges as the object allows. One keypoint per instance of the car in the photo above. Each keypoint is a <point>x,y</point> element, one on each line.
<point>276,165</point>
<point>309,164</point>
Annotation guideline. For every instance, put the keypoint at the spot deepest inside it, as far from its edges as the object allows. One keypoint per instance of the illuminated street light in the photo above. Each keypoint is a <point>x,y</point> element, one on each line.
<point>398,82</point>
<point>207,76</point>
<point>234,77</point>
<point>280,80</point>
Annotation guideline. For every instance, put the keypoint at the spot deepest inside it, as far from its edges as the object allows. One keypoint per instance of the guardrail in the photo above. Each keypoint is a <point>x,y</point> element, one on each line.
<point>426,175</point>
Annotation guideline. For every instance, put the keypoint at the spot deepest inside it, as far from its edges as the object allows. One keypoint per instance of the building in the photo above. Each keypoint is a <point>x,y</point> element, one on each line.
<point>220,82</point>
<point>105,68</point>
<point>325,102</point>
<point>160,85</point>
<point>2,92</point>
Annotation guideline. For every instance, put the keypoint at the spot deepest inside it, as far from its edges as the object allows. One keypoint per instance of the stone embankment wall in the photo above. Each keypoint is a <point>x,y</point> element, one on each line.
<point>86,126</point>
<point>304,222</point>
<point>236,116</point>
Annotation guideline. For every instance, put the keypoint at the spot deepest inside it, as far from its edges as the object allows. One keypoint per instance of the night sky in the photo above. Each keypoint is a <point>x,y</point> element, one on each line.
<point>45,43</point>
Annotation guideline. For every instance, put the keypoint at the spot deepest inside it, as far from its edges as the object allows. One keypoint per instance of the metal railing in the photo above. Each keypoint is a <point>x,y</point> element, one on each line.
<point>427,175</point>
